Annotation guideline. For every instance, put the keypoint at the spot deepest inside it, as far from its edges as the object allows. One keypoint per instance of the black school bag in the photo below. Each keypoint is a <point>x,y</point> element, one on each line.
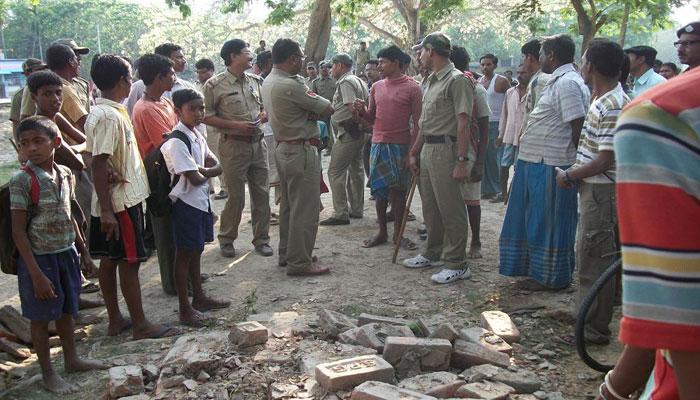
<point>8,250</point>
<point>159,179</point>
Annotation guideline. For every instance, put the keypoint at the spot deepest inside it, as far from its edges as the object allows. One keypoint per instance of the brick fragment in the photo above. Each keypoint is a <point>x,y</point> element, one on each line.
<point>348,373</point>
<point>431,354</point>
<point>466,354</point>
<point>374,335</point>
<point>335,323</point>
<point>445,331</point>
<point>441,384</point>
<point>485,390</point>
<point>500,323</point>
<point>125,380</point>
<point>350,336</point>
<point>246,334</point>
<point>383,391</point>
<point>486,338</point>
<point>521,380</point>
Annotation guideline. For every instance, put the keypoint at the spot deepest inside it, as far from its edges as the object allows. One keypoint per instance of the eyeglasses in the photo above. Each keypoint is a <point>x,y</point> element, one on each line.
<point>685,43</point>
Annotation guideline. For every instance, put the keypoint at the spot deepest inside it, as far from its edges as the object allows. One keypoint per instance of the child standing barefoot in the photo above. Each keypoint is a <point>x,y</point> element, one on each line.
<point>192,219</point>
<point>48,268</point>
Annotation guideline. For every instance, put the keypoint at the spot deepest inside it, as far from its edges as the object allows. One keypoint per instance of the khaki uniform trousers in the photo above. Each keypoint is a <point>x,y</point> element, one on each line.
<point>243,162</point>
<point>596,245</point>
<point>213,143</point>
<point>347,177</point>
<point>444,212</point>
<point>299,168</point>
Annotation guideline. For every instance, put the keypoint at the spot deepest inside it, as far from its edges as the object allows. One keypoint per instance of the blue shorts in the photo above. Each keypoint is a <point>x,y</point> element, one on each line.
<point>192,227</point>
<point>63,270</point>
<point>510,153</point>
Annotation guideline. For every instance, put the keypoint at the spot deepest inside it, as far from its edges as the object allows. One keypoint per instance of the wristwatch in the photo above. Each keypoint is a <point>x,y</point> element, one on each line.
<point>462,158</point>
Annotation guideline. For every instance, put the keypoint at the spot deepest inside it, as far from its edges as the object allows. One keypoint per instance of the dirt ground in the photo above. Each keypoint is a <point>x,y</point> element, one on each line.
<point>362,280</point>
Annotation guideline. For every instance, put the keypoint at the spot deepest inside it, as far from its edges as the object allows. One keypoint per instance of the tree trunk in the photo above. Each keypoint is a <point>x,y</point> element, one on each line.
<point>623,24</point>
<point>319,33</point>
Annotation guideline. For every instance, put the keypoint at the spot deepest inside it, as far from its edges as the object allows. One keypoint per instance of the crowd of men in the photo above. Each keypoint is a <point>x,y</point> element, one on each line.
<point>454,134</point>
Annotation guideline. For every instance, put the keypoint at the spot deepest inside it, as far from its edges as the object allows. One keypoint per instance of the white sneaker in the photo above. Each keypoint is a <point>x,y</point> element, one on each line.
<point>451,275</point>
<point>420,261</point>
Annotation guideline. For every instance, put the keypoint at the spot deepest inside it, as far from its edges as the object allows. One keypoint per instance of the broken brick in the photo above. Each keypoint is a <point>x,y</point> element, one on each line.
<point>466,354</point>
<point>486,338</point>
<point>335,323</point>
<point>520,380</point>
<point>439,384</point>
<point>384,391</point>
<point>431,354</point>
<point>246,334</point>
<point>374,335</point>
<point>485,390</point>
<point>500,323</point>
<point>445,331</point>
<point>124,381</point>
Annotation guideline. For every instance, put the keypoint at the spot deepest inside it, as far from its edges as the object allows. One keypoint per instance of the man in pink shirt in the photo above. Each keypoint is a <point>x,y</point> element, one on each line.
<point>394,110</point>
<point>154,117</point>
<point>510,126</point>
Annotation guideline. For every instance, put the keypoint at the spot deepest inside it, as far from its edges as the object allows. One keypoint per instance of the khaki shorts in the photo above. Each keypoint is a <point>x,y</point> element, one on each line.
<point>471,191</point>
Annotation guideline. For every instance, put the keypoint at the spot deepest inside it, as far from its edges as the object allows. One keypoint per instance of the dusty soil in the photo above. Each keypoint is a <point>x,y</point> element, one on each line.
<point>362,280</point>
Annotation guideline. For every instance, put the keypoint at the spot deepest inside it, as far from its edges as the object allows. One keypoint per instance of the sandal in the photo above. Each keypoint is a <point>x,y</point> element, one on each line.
<point>408,244</point>
<point>373,242</point>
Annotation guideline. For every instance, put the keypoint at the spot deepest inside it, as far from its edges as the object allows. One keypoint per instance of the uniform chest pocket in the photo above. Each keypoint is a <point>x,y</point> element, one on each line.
<point>235,103</point>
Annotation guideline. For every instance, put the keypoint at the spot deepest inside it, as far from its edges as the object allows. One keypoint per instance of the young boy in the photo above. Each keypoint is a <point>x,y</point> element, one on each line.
<point>48,267</point>
<point>192,219</point>
<point>116,230</point>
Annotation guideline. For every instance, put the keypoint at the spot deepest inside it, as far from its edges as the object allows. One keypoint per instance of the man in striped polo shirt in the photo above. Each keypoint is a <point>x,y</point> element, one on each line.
<point>657,146</point>
<point>594,174</point>
<point>539,230</point>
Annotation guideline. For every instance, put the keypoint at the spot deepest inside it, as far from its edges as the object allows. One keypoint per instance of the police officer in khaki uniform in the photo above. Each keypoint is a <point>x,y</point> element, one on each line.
<point>324,86</point>
<point>293,110</point>
<point>234,106</point>
<point>443,148</point>
<point>345,172</point>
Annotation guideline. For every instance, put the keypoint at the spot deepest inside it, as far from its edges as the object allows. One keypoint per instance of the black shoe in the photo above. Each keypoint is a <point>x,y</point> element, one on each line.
<point>355,216</point>
<point>227,250</point>
<point>335,221</point>
<point>264,250</point>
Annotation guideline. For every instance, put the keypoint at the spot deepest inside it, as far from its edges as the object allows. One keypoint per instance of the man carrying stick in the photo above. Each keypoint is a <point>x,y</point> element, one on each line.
<point>393,103</point>
<point>446,160</point>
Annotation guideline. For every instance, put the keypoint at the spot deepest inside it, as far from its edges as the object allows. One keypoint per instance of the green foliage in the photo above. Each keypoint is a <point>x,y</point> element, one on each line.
<point>281,10</point>
<point>30,27</point>
<point>433,11</point>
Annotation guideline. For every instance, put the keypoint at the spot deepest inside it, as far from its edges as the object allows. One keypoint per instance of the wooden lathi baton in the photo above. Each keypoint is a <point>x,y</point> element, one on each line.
<point>407,209</point>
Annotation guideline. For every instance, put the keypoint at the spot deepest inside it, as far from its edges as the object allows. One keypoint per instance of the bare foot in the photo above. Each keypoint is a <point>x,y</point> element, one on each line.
<point>55,384</point>
<point>81,364</point>
<point>208,304</point>
<point>152,331</point>
<point>118,327</point>
<point>474,252</point>
<point>192,318</point>
<point>375,241</point>
<point>85,303</point>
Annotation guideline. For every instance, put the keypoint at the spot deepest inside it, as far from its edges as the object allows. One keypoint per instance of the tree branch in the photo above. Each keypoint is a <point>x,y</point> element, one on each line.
<point>369,24</point>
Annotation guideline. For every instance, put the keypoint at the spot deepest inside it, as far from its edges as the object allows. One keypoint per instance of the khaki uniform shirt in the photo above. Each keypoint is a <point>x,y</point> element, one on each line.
<point>361,58</point>
<point>447,93</point>
<point>324,87</point>
<point>28,107</point>
<point>289,104</point>
<point>16,105</point>
<point>229,97</point>
<point>348,88</point>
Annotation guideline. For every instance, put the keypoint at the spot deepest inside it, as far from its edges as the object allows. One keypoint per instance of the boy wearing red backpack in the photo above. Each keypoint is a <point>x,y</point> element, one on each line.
<point>46,237</point>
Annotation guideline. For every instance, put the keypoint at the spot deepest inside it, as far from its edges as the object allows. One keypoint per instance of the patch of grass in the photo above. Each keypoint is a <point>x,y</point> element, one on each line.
<point>6,171</point>
<point>249,303</point>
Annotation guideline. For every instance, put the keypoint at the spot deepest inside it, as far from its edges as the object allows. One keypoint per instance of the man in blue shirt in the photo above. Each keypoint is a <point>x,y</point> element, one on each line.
<point>641,69</point>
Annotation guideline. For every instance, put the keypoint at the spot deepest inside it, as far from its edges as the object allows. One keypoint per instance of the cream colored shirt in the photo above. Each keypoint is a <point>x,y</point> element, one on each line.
<point>109,131</point>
